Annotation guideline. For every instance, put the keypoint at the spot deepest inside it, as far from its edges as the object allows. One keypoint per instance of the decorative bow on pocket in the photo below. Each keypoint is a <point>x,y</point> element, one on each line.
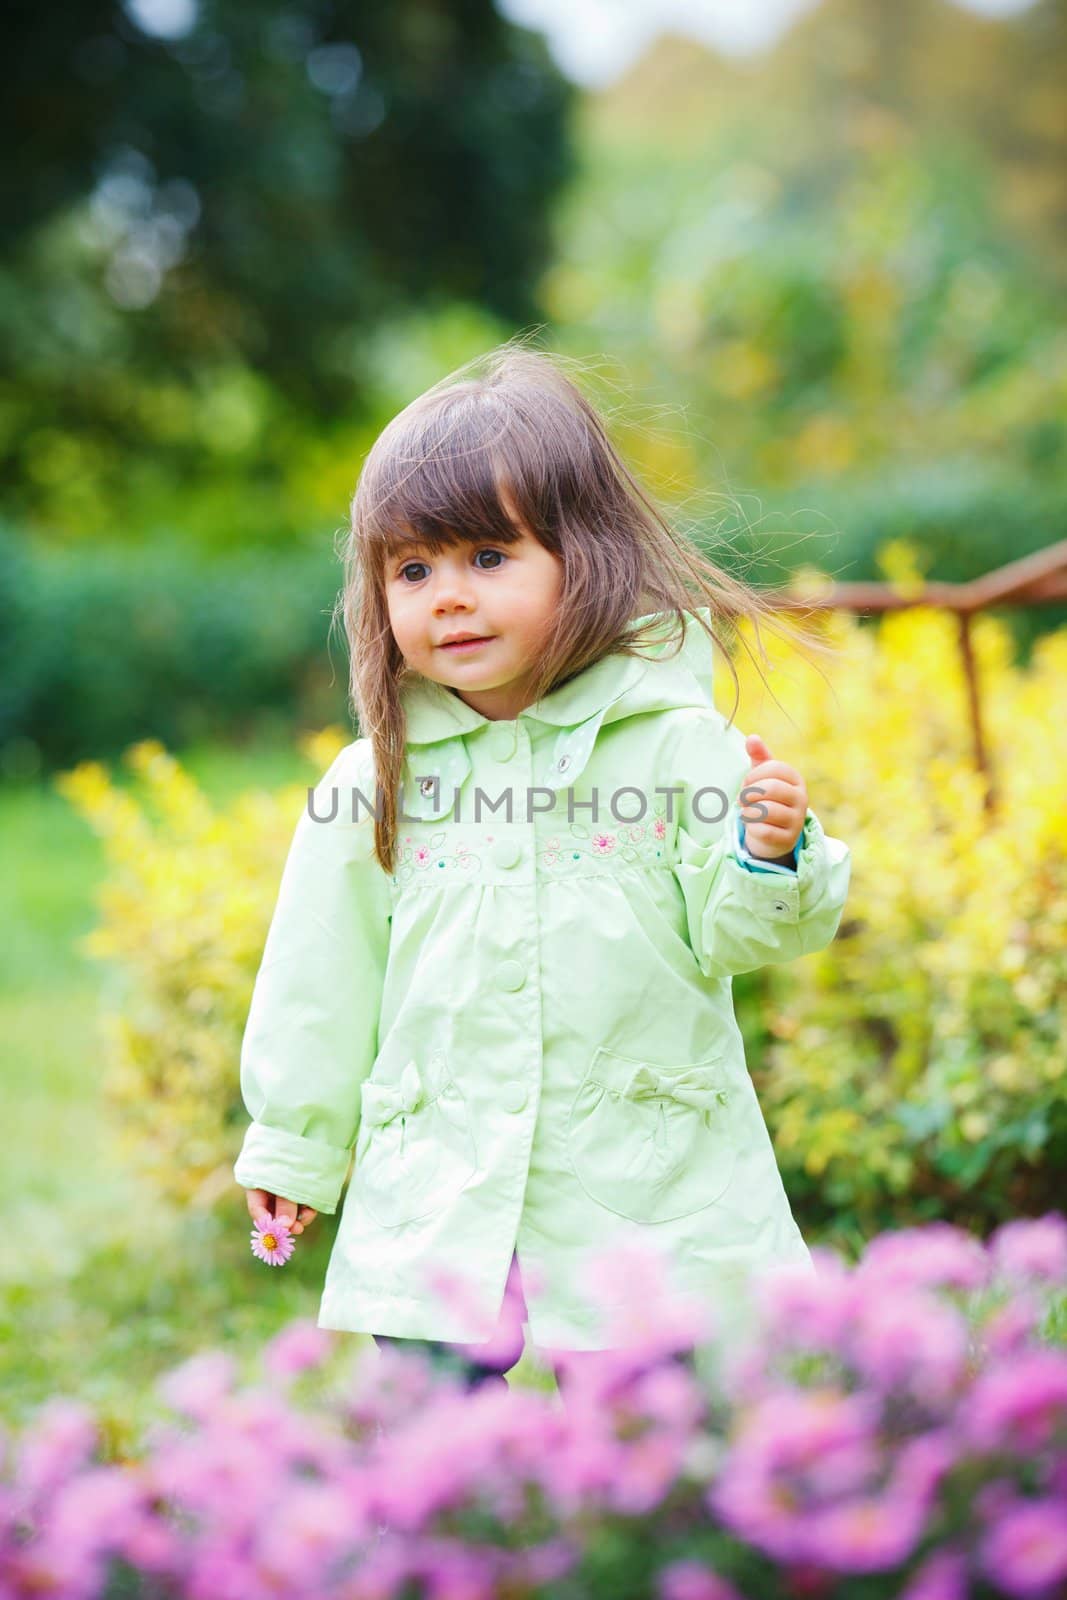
<point>691,1086</point>
<point>636,1148</point>
<point>384,1101</point>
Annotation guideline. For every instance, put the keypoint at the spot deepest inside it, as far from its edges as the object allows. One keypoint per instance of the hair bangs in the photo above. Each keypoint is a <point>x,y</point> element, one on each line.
<point>435,487</point>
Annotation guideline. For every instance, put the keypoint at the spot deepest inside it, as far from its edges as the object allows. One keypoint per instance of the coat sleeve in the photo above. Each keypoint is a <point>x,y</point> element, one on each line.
<point>312,1031</point>
<point>738,918</point>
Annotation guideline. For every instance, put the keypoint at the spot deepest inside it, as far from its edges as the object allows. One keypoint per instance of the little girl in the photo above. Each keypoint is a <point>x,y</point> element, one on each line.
<point>499,968</point>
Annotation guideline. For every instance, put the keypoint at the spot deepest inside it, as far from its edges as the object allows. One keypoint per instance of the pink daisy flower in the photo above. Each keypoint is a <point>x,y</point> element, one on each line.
<point>271,1240</point>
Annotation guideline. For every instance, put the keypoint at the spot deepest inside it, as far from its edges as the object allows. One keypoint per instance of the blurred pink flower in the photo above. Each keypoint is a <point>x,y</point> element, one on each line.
<point>647,1309</point>
<point>942,1576</point>
<point>197,1386</point>
<point>691,1580</point>
<point>92,1511</point>
<point>646,1470</point>
<point>921,1463</point>
<point>447,1452</point>
<point>791,1451</point>
<point>935,1255</point>
<point>867,1533</point>
<point>1019,1404</point>
<point>800,1431</point>
<point>271,1240</point>
<point>46,1567</point>
<point>1009,1328</point>
<point>994,1499</point>
<point>910,1341</point>
<point>540,1564</point>
<point>63,1437</point>
<point>452,1570</point>
<point>402,1480</point>
<point>1025,1552</point>
<point>299,1546</point>
<point>298,1347</point>
<point>1032,1248</point>
<point>808,1310</point>
<point>456,1292</point>
<point>505,1345</point>
<point>386,1386</point>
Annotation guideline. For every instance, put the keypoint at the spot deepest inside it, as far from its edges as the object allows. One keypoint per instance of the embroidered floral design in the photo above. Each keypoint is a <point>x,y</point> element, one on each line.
<point>631,841</point>
<point>429,858</point>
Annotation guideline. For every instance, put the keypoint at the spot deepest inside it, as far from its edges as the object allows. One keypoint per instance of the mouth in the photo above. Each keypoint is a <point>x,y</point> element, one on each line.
<point>460,646</point>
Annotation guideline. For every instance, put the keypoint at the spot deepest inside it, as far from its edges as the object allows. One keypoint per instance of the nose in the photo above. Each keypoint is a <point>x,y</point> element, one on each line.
<point>452,589</point>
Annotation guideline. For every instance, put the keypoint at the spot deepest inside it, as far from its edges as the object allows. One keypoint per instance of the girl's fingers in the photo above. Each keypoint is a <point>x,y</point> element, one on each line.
<point>296,1215</point>
<point>779,841</point>
<point>259,1200</point>
<point>774,815</point>
<point>765,789</point>
<point>768,770</point>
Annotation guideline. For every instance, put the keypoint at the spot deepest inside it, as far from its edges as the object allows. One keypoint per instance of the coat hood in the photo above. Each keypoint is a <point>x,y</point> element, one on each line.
<point>616,686</point>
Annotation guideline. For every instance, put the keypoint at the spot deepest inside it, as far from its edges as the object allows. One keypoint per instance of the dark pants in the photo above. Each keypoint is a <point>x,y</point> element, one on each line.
<point>449,1358</point>
<point>454,1358</point>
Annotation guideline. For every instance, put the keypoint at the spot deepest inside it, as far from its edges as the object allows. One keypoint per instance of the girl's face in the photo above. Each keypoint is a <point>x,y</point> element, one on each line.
<point>504,595</point>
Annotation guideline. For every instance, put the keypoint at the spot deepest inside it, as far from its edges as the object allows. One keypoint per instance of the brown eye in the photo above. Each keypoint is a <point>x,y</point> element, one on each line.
<point>406,568</point>
<point>499,553</point>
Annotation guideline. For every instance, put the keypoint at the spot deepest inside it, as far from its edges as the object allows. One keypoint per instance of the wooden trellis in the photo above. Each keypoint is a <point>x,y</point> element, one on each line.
<point>1037,579</point>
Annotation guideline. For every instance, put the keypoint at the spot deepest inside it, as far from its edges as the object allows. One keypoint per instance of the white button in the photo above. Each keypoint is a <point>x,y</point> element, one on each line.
<point>426,786</point>
<point>780,905</point>
<point>509,975</point>
<point>563,763</point>
<point>506,852</point>
<point>513,1095</point>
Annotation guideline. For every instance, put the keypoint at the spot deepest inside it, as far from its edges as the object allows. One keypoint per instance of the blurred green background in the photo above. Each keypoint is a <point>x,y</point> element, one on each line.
<point>816,274</point>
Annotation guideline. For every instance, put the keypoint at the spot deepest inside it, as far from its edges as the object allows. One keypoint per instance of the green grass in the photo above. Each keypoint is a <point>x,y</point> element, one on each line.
<point>104,1284</point>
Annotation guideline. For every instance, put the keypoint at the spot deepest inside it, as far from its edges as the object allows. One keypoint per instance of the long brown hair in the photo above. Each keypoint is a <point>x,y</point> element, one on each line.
<point>521,428</point>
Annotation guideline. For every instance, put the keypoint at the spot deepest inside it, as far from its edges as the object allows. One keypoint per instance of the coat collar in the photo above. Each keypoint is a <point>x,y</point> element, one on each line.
<point>614,687</point>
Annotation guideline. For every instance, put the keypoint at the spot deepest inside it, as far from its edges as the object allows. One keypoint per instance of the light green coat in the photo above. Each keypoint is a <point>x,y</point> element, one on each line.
<point>527,1033</point>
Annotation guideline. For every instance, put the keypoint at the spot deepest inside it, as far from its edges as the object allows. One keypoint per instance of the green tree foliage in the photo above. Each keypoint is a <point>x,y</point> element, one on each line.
<point>239,207</point>
<point>815,254</point>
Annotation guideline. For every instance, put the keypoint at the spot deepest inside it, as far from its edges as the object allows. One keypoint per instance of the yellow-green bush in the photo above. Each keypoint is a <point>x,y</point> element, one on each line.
<point>914,1068</point>
<point>184,918</point>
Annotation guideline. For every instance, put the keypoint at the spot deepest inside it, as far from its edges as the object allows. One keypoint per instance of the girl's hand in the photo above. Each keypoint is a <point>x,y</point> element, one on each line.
<point>296,1215</point>
<point>780,791</point>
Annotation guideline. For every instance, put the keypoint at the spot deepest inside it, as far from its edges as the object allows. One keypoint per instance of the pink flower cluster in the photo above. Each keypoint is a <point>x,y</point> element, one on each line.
<point>898,1428</point>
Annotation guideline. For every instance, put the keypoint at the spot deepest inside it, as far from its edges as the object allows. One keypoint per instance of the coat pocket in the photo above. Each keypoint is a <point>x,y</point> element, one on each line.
<point>649,1142</point>
<point>415,1150</point>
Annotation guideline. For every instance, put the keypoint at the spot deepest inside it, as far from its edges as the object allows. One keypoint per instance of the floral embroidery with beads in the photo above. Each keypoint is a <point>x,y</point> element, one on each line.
<point>426,858</point>
<point>429,857</point>
<point>628,841</point>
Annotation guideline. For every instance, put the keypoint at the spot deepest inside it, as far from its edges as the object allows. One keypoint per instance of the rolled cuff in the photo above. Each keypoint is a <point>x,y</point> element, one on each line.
<point>783,894</point>
<point>287,1164</point>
